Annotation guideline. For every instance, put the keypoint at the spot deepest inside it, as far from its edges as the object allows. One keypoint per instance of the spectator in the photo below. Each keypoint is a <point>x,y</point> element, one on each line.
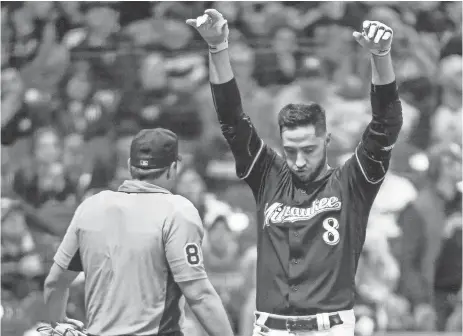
<point>8,172</point>
<point>99,40</point>
<point>164,28</point>
<point>191,186</point>
<point>279,66</point>
<point>347,118</point>
<point>16,121</point>
<point>19,257</point>
<point>333,21</point>
<point>310,85</point>
<point>421,93</point>
<point>379,271</point>
<point>222,263</point>
<point>407,160</point>
<point>422,223</point>
<point>231,10</point>
<point>377,276</point>
<point>446,121</point>
<point>452,39</point>
<point>256,17</point>
<point>37,53</point>
<point>447,283</point>
<point>84,112</point>
<point>74,163</point>
<point>22,268</point>
<point>42,179</point>
<point>147,101</point>
<point>70,17</point>
<point>46,193</point>
<point>182,113</point>
<point>120,171</point>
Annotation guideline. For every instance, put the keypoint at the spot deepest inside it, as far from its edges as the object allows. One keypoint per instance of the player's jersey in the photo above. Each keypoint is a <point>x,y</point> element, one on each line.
<point>134,246</point>
<point>310,235</point>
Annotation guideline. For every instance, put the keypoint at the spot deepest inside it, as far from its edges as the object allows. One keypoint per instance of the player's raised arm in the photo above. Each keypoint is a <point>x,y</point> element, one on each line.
<point>373,153</point>
<point>236,126</point>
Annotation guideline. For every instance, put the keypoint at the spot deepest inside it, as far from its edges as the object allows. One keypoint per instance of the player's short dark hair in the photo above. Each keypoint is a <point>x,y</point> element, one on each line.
<point>147,174</point>
<point>296,115</point>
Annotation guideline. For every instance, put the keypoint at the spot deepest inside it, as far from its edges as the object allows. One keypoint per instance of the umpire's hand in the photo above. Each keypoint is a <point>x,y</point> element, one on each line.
<point>376,37</point>
<point>212,27</point>
<point>260,330</point>
<point>69,327</point>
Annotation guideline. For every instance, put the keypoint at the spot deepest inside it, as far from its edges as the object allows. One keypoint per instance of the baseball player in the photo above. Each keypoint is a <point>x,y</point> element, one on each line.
<point>140,250</point>
<point>312,217</point>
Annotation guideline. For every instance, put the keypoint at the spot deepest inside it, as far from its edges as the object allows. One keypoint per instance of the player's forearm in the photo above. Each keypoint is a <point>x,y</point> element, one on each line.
<point>211,314</point>
<point>381,134</point>
<point>236,126</point>
<point>227,101</point>
<point>220,70</point>
<point>382,71</point>
<point>387,110</point>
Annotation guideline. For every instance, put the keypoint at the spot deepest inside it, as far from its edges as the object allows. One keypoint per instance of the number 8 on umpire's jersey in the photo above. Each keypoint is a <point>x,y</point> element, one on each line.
<point>192,254</point>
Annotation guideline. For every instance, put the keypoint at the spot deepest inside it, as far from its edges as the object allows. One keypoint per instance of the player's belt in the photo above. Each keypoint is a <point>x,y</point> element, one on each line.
<point>311,323</point>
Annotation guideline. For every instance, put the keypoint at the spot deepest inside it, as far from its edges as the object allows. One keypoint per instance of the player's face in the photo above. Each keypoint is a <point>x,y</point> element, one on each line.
<point>305,151</point>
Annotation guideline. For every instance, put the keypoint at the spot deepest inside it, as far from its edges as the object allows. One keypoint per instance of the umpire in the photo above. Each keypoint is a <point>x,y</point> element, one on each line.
<point>140,250</point>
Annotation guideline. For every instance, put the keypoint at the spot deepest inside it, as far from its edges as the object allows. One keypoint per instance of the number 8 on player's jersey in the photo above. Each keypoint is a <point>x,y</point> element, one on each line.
<point>331,235</point>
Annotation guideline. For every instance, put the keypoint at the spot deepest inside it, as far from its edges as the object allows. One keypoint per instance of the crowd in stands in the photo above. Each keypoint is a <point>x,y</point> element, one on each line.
<point>79,79</point>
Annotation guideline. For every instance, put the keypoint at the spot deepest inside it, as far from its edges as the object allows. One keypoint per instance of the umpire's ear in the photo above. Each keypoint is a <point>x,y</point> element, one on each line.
<point>172,171</point>
<point>174,165</point>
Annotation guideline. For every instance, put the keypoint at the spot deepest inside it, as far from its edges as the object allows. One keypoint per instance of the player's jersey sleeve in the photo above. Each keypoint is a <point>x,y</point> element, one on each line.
<point>367,167</point>
<point>183,237</point>
<point>68,256</point>
<point>255,161</point>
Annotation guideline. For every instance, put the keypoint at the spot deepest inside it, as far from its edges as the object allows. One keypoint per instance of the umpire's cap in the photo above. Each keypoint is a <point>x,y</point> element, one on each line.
<point>154,148</point>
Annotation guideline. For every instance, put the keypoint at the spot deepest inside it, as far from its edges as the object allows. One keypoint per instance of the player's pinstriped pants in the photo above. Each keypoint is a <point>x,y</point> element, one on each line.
<point>347,328</point>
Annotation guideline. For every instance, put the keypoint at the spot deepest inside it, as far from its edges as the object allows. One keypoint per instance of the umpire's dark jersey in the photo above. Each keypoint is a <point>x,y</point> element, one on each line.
<point>134,246</point>
<point>310,235</point>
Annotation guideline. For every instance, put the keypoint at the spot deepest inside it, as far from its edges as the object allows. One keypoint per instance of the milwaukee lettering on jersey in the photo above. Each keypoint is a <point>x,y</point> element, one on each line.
<point>279,213</point>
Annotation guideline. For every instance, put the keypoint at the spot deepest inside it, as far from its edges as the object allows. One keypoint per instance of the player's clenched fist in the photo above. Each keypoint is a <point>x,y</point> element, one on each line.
<point>376,37</point>
<point>213,28</point>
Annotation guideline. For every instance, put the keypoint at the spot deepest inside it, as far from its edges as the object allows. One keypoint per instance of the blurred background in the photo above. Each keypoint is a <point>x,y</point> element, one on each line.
<point>79,79</point>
